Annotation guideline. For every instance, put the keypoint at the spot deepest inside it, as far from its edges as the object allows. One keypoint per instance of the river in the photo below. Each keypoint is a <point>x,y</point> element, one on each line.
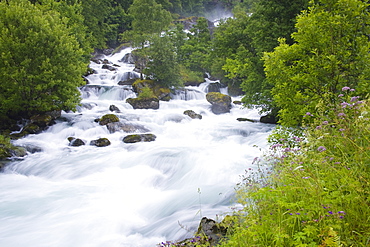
<point>127,195</point>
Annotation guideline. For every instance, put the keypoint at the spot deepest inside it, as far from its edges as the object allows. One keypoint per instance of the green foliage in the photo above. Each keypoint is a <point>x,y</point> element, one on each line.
<point>148,18</point>
<point>314,192</point>
<point>146,93</point>
<point>194,54</point>
<point>162,66</point>
<point>331,52</point>
<point>40,59</point>
<point>5,147</point>
<point>240,43</point>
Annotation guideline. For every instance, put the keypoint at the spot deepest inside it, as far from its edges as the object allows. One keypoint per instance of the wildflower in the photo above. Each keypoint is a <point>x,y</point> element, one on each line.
<point>341,114</point>
<point>305,177</point>
<point>309,114</point>
<point>290,214</point>
<point>297,213</point>
<point>341,212</point>
<point>340,95</point>
<point>345,88</point>
<point>341,217</point>
<point>352,90</point>
<point>321,149</point>
<point>354,99</point>
<point>330,212</point>
<point>342,129</point>
<point>318,127</point>
<point>325,123</point>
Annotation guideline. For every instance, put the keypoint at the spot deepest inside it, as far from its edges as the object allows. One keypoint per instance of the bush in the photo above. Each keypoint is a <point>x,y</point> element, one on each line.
<point>312,192</point>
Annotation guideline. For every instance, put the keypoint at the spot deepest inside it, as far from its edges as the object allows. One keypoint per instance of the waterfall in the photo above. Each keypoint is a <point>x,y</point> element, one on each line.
<point>127,195</point>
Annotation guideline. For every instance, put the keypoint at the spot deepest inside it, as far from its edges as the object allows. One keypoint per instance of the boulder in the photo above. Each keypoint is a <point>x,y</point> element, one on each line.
<point>241,119</point>
<point>139,138</point>
<point>215,87</point>
<point>192,114</point>
<point>221,103</point>
<point>145,103</point>
<point>108,118</point>
<point>108,67</point>
<point>269,118</point>
<point>101,142</point>
<point>75,142</point>
<point>114,108</point>
<point>126,127</point>
<point>162,93</point>
<point>128,58</point>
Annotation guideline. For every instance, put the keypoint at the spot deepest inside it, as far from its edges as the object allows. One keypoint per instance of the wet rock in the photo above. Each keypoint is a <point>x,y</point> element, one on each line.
<point>139,138</point>
<point>114,108</point>
<point>192,114</point>
<point>128,58</point>
<point>241,119</point>
<point>101,142</point>
<point>75,142</point>
<point>108,118</point>
<point>221,103</point>
<point>18,151</point>
<point>145,103</point>
<point>215,87</point>
<point>32,148</point>
<point>270,119</point>
<point>31,129</point>
<point>237,102</point>
<point>108,67</point>
<point>126,127</point>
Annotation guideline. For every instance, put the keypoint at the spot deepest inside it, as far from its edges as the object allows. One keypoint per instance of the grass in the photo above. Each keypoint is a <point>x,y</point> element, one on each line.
<point>313,187</point>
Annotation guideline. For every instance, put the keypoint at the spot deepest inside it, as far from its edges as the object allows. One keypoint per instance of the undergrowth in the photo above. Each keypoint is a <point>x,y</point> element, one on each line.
<point>316,191</point>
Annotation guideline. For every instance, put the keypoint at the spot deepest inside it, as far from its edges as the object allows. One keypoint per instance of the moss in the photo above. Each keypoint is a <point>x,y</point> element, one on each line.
<point>108,118</point>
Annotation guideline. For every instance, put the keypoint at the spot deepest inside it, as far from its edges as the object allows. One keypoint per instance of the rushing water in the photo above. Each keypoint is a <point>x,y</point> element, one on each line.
<point>126,194</point>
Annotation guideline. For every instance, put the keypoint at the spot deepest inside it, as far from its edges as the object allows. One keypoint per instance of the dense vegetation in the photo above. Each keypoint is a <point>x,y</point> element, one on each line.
<point>306,61</point>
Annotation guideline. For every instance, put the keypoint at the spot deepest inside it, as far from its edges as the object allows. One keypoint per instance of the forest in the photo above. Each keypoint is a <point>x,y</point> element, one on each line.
<point>305,63</point>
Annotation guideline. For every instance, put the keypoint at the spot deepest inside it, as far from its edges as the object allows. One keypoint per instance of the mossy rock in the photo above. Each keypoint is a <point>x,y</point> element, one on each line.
<point>221,103</point>
<point>31,129</point>
<point>145,103</point>
<point>162,93</point>
<point>75,142</point>
<point>139,138</point>
<point>108,118</point>
<point>101,142</point>
<point>192,114</point>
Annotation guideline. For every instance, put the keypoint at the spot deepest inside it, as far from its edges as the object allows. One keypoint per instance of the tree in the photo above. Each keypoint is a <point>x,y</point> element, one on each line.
<point>332,52</point>
<point>40,59</point>
<point>162,65</point>
<point>148,18</point>
<point>267,21</point>
<point>195,52</point>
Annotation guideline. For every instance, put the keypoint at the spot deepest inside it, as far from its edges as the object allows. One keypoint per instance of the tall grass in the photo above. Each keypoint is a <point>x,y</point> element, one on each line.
<point>313,188</point>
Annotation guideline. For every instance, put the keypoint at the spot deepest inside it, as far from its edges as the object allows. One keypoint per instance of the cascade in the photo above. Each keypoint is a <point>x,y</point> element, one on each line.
<point>127,195</point>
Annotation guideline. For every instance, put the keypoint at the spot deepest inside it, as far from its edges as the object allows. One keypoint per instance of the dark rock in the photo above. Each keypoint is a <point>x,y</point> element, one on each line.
<point>270,119</point>
<point>246,120</point>
<point>108,118</point>
<point>128,58</point>
<point>42,120</point>
<point>139,138</point>
<point>108,67</point>
<point>31,129</point>
<point>32,148</point>
<point>128,82</point>
<point>126,127</point>
<point>221,103</point>
<point>146,103</point>
<point>237,102</point>
<point>114,108</point>
<point>192,114</point>
<point>75,142</point>
<point>215,87</point>
<point>101,142</point>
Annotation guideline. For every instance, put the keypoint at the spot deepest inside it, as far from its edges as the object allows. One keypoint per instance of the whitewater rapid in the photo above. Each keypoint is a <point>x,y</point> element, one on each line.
<point>127,195</point>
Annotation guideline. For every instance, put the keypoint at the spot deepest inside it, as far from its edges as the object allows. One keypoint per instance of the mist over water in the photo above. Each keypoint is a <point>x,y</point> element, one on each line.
<point>127,194</point>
